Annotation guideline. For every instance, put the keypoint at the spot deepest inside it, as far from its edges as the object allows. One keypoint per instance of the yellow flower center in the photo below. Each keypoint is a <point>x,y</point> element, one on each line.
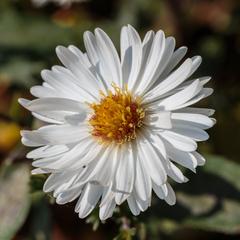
<point>117,117</point>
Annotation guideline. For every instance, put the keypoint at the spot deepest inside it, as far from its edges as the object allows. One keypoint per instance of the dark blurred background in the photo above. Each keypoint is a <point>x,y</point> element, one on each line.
<point>208,206</point>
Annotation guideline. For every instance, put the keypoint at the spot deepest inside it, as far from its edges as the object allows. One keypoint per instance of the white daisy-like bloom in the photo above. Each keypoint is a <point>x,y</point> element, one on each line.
<point>118,127</point>
<point>59,2</point>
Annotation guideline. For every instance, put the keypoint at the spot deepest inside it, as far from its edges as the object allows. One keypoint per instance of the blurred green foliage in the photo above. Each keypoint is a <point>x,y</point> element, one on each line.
<point>208,207</point>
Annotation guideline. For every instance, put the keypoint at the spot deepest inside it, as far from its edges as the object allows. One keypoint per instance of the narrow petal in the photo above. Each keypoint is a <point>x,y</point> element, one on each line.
<point>185,159</point>
<point>152,70</point>
<point>88,199</point>
<point>72,62</point>
<point>143,181</point>
<point>106,211</point>
<point>133,205</point>
<point>109,57</point>
<point>56,134</point>
<point>69,195</point>
<point>199,158</point>
<point>167,55</point>
<point>53,104</point>
<point>131,55</point>
<point>172,81</point>
<point>205,111</point>
<point>173,102</point>
<point>161,191</point>
<point>152,162</point>
<point>171,197</point>
<point>197,120</point>
<point>177,56</point>
<point>179,141</point>
<point>193,132</point>
<point>125,174</point>
<point>47,151</point>
<point>160,120</point>
<point>205,92</point>
<point>196,61</point>
<point>176,174</point>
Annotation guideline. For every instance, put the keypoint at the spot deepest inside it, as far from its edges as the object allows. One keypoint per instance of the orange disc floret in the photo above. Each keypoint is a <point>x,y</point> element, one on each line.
<point>117,116</point>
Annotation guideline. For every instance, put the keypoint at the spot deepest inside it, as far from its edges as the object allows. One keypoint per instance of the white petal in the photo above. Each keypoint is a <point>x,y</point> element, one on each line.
<point>196,61</point>
<point>176,58</point>
<point>205,92</point>
<point>152,70</point>
<point>159,120</point>
<point>53,104</point>
<point>205,111</point>
<point>41,92</point>
<point>106,211</point>
<point>172,81</point>
<point>158,144</point>
<point>50,118</point>
<point>143,204</point>
<point>56,134</point>
<point>167,55</point>
<point>133,205</point>
<point>106,170</point>
<point>187,130</point>
<point>171,197</point>
<point>161,191</point>
<point>56,180</point>
<point>131,55</point>
<point>47,151</point>
<point>179,141</point>
<point>72,62</point>
<point>173,102</point>
<point>97,167</point>
<point>202,81</point>
<point>197,120</point>
<point>183,158</point>
<point>39,171</point>
<point>109,57</point>
<point>199,158</point>
<point>152,162</point>
<point>176,174</point>
<point>142,182</point>
<point>107,195</point>
<point>70,79</point>
<point>79,156</point>
<point>146,47</point>
<point>88,199</point>
<point>125,174</point>
<point>76,119</point>
<point>69,195</point>
<point>63,84</point>
<point>82,56</point>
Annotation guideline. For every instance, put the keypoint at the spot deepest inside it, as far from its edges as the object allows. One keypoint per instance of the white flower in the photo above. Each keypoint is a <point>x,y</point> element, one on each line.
<point>118,127</point>
<point>59,2</point>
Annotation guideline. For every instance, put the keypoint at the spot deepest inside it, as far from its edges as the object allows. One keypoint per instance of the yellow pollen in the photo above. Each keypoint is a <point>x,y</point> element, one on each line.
<point>117,117</point>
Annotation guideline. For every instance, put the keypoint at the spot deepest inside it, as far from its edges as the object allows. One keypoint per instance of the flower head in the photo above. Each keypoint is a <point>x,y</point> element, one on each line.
<point>117,127</point>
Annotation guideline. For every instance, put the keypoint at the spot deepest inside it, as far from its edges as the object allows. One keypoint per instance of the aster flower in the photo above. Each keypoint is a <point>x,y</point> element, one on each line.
<point>59,2</point>
<point>118,127</point>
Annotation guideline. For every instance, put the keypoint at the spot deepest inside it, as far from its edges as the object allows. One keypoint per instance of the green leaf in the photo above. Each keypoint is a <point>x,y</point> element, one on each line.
<point>224,168</point>
<point>21,71</point>
<point>41,34</point>
<point>41,218</point>
<point>209,201</point>
<point>197,205</point>
<point>14,200</point>
<point>220,209</point>
<point>226,219</point>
